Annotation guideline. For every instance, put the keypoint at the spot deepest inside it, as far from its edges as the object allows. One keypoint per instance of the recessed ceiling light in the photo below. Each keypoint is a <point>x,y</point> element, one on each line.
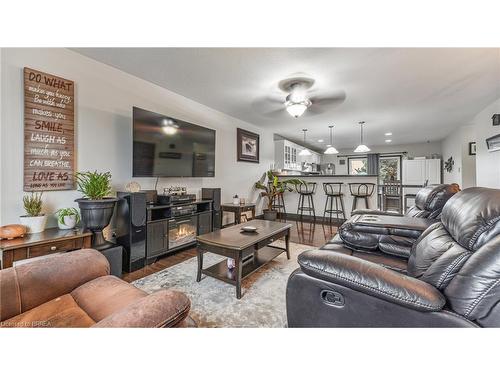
<point>388,140</point>
<point>388,134</point>
<point>321,140</point>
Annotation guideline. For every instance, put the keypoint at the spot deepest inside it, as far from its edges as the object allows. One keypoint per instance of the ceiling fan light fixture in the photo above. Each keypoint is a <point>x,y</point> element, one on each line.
<point>296,109</point>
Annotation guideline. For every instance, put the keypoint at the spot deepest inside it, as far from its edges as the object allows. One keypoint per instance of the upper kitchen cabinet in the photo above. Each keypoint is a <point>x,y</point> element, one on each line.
<point>418,171</point>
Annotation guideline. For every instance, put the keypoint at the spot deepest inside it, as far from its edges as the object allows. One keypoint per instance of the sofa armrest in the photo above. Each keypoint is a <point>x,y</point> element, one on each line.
<point>372,279</point>
<point>165,308</point>
<point>373,212</point>
<point>30,284</point>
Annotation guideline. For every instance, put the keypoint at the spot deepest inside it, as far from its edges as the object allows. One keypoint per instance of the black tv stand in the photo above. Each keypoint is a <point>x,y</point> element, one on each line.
<point>171,228</point>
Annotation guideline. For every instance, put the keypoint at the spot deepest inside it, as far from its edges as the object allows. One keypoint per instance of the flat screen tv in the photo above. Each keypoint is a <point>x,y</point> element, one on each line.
<point>168,147</point>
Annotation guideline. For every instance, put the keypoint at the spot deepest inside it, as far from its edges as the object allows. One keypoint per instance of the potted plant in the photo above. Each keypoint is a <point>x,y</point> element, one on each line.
<point>96,206</point>
<point>67,218</point>
<point>34,220</point>
<point>272,189</point>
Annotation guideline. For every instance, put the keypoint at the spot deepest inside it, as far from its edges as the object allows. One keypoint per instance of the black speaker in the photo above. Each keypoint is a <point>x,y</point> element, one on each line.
<point>131,215</point>
<point>214,194</point>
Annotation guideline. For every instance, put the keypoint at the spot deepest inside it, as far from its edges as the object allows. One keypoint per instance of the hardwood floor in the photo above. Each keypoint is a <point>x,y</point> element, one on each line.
<point>303,232</point>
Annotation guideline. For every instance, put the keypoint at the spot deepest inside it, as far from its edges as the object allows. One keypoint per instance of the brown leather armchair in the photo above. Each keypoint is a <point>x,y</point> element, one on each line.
<point>75,290</point>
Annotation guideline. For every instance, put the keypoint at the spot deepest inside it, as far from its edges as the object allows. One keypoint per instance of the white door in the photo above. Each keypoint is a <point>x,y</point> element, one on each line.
<point>433,171</point>
<point>414,172</point>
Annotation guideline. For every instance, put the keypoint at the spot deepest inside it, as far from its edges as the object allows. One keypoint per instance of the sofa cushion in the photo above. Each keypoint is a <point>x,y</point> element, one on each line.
<point>57,313</point>
<point>105,295</point>
<point>43,280</point>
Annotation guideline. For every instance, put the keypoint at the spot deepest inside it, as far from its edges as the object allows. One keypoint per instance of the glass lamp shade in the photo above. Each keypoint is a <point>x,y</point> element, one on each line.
<point>296,109</point>
<point>331,150</point>
<point>362,148</point>
<point>305,152</point>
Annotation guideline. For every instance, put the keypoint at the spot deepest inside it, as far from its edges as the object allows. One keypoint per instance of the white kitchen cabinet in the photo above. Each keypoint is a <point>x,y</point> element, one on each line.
<point>286,155</point>
<point>433,171</point>
<point>417,171</point>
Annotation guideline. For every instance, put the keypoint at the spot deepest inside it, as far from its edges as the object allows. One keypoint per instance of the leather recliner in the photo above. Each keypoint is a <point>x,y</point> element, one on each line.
<point>429,202</point>
<point>397,240</point>
<point>75,290</point>
<point>452,280</point>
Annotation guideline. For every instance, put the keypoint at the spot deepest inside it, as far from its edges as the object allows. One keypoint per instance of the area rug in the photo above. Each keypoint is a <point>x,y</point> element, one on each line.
<point>214,303</point>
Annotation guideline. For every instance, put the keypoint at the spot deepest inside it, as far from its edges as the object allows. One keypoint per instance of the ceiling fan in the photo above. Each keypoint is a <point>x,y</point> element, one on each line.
<point>296,96</point>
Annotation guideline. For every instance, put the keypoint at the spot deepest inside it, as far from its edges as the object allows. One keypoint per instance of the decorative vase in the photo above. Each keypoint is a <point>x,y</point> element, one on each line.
<point>69,222</point>
<point>270,215</point>
<point>96,215</point>
<point>34,224</point>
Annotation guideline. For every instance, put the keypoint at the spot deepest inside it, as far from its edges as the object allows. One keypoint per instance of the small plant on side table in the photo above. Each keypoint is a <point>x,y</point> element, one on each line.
<point>34,220</point>
<point>67,218</point>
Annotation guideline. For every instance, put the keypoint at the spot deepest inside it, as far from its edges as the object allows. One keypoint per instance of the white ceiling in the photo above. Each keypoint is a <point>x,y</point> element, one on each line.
<point>417,94</point>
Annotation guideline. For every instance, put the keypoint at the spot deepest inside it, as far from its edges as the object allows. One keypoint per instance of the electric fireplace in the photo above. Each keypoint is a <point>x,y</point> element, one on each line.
<point>181,231</point>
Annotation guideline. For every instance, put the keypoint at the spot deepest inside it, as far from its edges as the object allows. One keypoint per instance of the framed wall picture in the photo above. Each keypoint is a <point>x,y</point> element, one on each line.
<point>248,146</point>
<point>472,148</point>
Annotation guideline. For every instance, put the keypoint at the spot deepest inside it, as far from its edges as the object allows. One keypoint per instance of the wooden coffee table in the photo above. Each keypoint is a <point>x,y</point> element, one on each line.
<point>250,251</point>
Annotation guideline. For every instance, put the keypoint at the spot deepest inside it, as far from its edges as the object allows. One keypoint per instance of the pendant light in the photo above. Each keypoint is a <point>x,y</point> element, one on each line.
<point>362,147</point>
<point>331,150</point>
<point>305,151</point>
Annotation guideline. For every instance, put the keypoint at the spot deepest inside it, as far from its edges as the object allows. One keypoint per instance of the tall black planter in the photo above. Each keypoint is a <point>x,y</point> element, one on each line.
<point>96,215</point>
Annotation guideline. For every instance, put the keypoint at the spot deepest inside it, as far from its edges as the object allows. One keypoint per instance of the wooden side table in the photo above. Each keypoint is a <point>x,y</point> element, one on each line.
<point>50,241</point>
<point>238,209</point>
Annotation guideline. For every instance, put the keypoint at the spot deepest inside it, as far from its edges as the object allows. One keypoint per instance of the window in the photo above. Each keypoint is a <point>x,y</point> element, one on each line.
<point>357,165</point>
<point>389,168</point>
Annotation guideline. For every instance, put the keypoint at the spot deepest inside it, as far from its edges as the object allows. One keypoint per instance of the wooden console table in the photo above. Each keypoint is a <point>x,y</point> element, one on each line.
<point>50,241</point>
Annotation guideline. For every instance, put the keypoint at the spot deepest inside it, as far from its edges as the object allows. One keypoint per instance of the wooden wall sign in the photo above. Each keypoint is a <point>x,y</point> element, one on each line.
<point>49,132</point>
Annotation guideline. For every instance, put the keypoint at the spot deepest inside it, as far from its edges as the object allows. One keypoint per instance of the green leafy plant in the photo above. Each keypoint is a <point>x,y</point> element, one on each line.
<point>63,212</point>
<point>33,204</point>
<point>94,185</point>
<point>274,187</point>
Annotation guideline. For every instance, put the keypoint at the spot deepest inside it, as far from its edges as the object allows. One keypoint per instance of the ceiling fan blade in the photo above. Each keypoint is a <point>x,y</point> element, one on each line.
<point>334,98</point>
<point>277,113</point>
<point>268,104</point>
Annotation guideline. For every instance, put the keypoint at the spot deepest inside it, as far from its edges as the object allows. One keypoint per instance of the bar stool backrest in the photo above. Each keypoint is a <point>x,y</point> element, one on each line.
<point>392,188</point>
<point>306,188</point>
<point>332,188</point>
<point>361,189</point>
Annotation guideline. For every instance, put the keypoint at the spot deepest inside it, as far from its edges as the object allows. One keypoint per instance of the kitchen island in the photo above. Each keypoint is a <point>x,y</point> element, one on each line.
<point>292,198</point>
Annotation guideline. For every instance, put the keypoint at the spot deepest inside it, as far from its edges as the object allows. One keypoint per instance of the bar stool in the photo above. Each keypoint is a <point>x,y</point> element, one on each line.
<point>333,191</point>
<point>278,203</point>
<point>361,191</point>
<point>306,189</point>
